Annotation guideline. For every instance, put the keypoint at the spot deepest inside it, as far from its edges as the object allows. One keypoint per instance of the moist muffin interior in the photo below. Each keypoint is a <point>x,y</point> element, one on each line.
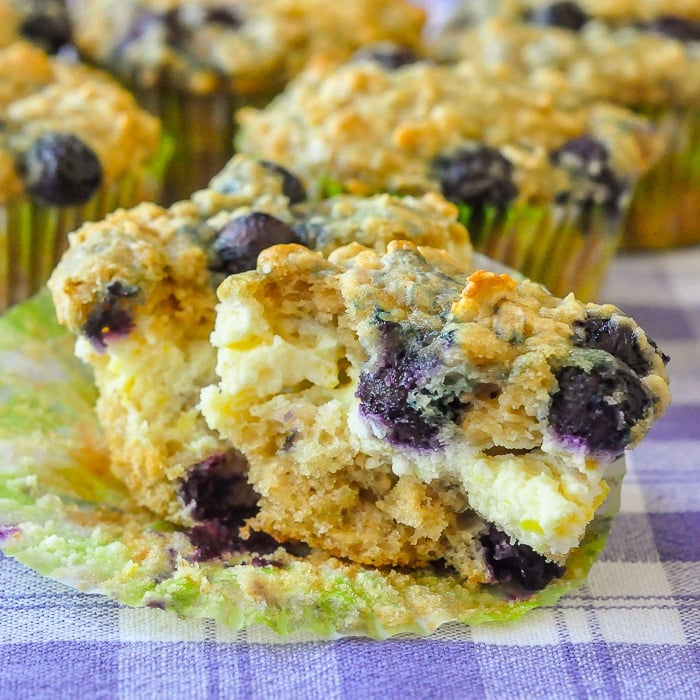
<point>396,412</point>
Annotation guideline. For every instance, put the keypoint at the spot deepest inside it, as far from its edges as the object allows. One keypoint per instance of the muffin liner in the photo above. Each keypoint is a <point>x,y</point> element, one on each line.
<point>64,515</point>
<point>202,127</point>
<point>33,236</point>
<point>665,209</point>
<point>563,247</point>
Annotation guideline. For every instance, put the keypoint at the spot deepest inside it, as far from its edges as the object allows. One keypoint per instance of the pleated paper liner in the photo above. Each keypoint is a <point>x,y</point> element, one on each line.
<point>665,209</point>
<point>564,247</point>
<point>65,516</point>
<point>203,129</point>
<point>33,236</point>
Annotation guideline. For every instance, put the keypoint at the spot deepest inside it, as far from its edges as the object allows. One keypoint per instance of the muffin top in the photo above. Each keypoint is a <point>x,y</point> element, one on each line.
<point>635,61</point>
<point>220,230</point>
<point>365,127</point>
<point>245,47</point>
<point>65,129</point>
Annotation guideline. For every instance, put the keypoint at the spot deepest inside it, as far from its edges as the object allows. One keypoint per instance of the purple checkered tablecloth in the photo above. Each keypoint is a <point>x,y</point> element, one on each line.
<point>633,631</point>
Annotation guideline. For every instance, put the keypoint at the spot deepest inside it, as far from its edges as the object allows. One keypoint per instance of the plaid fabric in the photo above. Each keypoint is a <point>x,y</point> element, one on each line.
<point>632,632</point>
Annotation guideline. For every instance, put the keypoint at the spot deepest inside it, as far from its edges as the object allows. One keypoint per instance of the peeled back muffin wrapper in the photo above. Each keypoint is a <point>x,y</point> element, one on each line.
<point>64,515</point>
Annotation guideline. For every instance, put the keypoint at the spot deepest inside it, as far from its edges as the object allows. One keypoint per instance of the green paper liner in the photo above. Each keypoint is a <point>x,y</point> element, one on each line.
<point>65,516</point>
<point>559,246</point>
<point>665,209</point>
<point>33,236</point>
<point>203,129</point>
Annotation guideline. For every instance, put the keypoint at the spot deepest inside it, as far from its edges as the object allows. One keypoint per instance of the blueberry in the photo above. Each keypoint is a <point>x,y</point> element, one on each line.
<point>517,562</point>
<point>239,243</point>
<point>478,177</point>
<point>212,538</point>
<point>674,28</point>
<point>49,31</point>
<point>597,407</point>
<point>395,390</point>
<point>292,187</point>
<point>60,170</point>
<point>111,316</point>
<point>224,16</point>
<point>594,183</point>
<point>617,339</point>
<point>221,501</point>
<point>217,488</point>
<point>387,54</point>
<point>566,15</point>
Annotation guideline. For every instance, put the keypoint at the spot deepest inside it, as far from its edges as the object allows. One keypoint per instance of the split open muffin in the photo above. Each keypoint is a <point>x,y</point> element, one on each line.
<point>396,410</point>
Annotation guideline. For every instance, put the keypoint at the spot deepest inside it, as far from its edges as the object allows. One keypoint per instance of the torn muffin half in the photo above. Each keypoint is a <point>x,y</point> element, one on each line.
<point>396,410</point>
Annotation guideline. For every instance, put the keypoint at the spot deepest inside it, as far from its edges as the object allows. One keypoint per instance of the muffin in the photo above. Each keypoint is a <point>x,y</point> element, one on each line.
<point>74,145</point>
<point>192,61</point>
<point>395,410</point>
<point>138,290</point>
<point>644,56</point>
<point>543,184</point>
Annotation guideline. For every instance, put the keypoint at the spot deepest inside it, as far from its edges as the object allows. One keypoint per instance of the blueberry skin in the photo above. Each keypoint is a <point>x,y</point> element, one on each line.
<point>217,488</point>
<point>477,177</point>
<point>239,243</point>
<point>595,184</point>
<point>597,407</point>
<point>386,390</point>
<point>395,392</point>
<point>111,316</point>
<point>214,538</point>
<point>50,32</point>
<point>60,170</point>
<point>615,338</point>
<point>176,33</point>
<point>224,16</point>
<point>221,500</point>
<point>517,562</point>
<point>672,27</point>
<point>565,15</point>
<point>292,187</point>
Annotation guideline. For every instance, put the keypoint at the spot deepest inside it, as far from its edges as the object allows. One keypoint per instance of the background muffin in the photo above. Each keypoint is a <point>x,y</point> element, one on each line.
<point>192,61</point>
<point>543,183</point>
<point>645,56</point>
<point>74,145</point>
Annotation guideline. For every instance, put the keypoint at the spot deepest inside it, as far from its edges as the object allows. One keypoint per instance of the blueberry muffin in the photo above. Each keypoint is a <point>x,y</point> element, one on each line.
<point>74,145</point>
<point>543,182</point>
<point>138,290</point>
<point>644,56</point>
<point>193,61</point>
<point>396,410</point>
